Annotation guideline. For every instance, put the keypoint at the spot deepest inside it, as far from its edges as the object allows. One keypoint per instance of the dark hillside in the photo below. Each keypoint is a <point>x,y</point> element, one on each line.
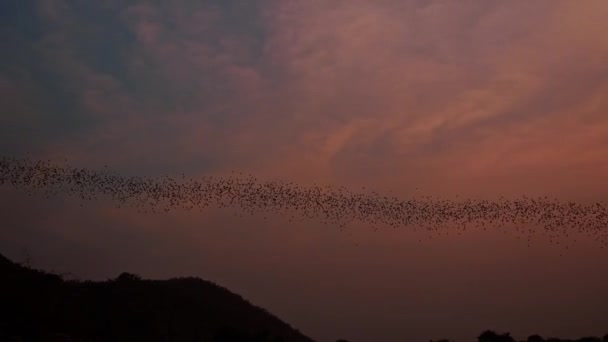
<point>38,306</point>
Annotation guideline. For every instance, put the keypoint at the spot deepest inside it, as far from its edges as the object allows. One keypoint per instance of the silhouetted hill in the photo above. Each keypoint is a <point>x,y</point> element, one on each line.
<point>39,306</point>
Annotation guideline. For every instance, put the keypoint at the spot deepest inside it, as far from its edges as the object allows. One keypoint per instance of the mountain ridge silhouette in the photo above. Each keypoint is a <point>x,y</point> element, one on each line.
<point>41,306</point>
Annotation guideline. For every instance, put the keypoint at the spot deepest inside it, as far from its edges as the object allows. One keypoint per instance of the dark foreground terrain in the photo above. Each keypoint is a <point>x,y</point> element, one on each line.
<point>38,306</point>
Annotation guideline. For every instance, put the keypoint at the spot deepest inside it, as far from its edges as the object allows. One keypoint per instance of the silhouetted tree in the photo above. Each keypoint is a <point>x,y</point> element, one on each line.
<point>535,338</point>
<point>128,277</point>
<point>491,336</point>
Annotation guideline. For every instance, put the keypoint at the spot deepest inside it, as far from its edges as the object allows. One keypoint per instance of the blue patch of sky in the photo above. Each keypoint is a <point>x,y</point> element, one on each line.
<point>237,19</point>
<point>58,112</point>
<point>21,17</point>
<point>246,18</point>
<point>100,37</point>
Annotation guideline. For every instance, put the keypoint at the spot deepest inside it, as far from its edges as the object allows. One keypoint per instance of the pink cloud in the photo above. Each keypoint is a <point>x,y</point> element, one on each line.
<point>462,91</point>
<point>414,73</point>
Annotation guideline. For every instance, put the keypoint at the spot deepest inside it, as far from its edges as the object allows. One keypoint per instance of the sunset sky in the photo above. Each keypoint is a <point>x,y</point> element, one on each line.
<point>476,98</point>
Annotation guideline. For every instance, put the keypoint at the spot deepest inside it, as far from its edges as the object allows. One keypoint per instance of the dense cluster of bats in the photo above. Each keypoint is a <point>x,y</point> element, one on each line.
<point>332,205</point>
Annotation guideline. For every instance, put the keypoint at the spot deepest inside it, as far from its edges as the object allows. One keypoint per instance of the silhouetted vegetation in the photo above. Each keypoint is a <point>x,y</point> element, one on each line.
<point>38,306</point>
<point>491,336</point>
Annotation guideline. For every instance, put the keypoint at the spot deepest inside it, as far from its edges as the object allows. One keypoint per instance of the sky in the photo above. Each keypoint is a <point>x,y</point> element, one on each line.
<point>471,98</point>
